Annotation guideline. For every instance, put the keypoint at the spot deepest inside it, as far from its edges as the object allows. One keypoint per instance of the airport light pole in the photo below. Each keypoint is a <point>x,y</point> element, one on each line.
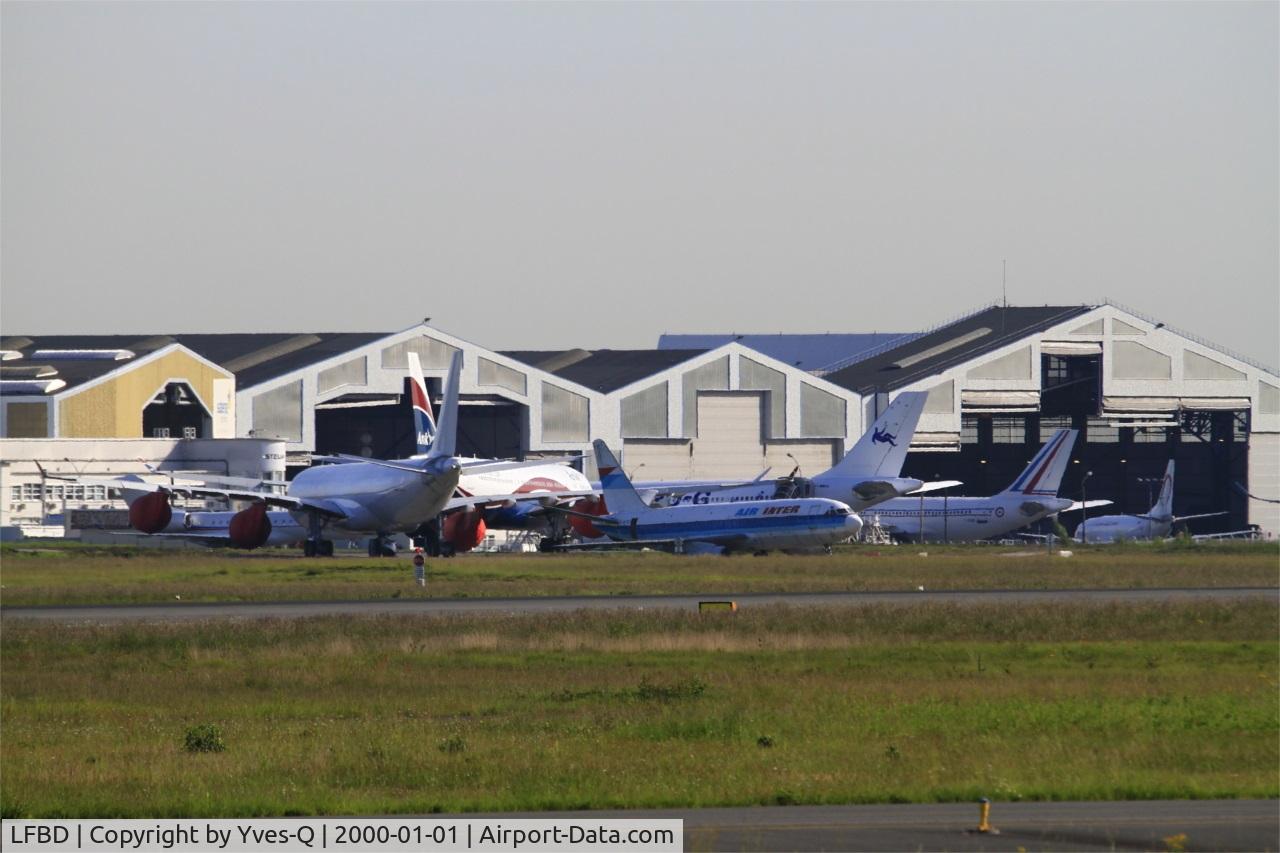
<point>66,522</point>
<point>1084,509</point>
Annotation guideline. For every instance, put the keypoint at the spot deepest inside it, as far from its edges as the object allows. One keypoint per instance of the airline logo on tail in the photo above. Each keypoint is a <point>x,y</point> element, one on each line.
<point>882,436</point>
<point>1044,474</point>
<point>424,423</point>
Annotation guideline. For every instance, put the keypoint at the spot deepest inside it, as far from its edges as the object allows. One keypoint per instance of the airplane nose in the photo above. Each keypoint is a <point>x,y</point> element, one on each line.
<point>853,524</point>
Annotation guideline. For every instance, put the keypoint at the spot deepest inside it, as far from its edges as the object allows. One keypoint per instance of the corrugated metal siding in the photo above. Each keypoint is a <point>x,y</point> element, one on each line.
<point>564,415</point>
<point>353,372</point>
<point>278,413</point>
<point>753,376</point>
<point>1264,480</point>
<point>492,373</point>
<point>713,376</point>
<point>1196,366</point>
<point>644,414</point>
<point>821,414</point>
<point>1268,399</point>
<point>434,355</point>
<point>1131,360</point>
<point>27,420</point>
<point>1014,365</point>
<point>941,399</point>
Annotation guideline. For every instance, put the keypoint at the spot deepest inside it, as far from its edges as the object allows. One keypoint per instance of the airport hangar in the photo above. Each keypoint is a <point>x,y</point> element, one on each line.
<point>718,406</point>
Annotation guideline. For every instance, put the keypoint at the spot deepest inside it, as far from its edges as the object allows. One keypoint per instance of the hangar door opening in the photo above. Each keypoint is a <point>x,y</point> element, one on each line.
<point>176,412</point>
<point>380,426</point>
<point>731,443</point>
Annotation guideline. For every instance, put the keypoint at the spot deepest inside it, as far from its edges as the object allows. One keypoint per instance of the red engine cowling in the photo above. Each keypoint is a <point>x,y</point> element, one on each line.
<point>464,530</point>
<point>150,513</point>
<point>250,528</point>
<point>591,506</point>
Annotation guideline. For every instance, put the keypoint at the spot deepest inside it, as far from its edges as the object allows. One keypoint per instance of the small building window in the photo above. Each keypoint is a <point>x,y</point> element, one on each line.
<point>1008,430</point>
<point>1102,432</point>
<point>1050,425</point>
<point>189,432</point>
<point>160,432</point>
<point>968,430</point>
<point>1150,435</point>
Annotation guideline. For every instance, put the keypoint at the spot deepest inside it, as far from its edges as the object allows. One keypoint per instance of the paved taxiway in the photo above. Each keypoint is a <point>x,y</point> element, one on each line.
<point>1206,825</point>
<point>101,614</point>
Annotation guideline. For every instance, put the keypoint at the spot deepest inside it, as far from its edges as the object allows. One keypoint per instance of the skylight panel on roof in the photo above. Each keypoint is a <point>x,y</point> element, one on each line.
<point>31,386</point>
<point>83,354</point>
<point>939,349</point>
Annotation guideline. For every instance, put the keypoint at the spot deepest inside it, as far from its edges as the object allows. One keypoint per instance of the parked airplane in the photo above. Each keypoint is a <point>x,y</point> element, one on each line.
<point>215,529</point>
<point>867,475</point>
<point>1156,524</point>
<point>494,494</point>
<point>1031,497</point>
<point>357,498</point>
<point>754,526</point>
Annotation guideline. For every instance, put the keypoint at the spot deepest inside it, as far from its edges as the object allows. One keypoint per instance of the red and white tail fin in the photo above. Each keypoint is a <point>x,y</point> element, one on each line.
<point>424,423</point>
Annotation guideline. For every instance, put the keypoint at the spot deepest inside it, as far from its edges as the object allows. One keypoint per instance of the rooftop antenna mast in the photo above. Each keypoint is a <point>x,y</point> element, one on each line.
<point>1004,291</point>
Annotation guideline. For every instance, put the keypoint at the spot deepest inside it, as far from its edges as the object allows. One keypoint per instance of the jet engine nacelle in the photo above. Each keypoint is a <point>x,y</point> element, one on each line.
<point>464,530</point>
<point>150,513</point>
<point>250,528</point>
<point>515,517</point>
<point>583,526</point>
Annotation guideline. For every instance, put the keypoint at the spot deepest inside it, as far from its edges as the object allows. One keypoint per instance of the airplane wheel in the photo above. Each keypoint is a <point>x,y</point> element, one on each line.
<point>374,550</point>
<point>389,549</point>
<point>325,548</point>
<point>546,544</point>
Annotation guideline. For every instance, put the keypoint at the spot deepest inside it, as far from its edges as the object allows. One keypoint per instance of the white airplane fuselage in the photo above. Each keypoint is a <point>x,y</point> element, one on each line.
<point>376,498</point>
<point>756,525</point>
<point>522,515</point>
<point>830,486</point>
<point>1113,528</point>
<point>963,519</point>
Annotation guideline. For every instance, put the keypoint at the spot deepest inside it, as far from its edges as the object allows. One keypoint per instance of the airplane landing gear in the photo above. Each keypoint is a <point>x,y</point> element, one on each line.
<point>315,546</point>
<point>380,546</point>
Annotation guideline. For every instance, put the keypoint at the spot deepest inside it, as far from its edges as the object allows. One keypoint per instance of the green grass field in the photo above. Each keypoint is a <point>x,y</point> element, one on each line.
<point>595,709</point>
<point>71,574</point>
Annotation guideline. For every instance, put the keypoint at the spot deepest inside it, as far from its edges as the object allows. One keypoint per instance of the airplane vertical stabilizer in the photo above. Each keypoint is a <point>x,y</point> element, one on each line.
<point>446,438</point>
<point>1044,475</point>
<point>1164,503</point>
<point>424,423</point>
<point>882,449</point>
<point>619,495</point>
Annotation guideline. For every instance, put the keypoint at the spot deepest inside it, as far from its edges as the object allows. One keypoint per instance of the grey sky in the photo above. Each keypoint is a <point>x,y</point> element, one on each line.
<point>549,175</point>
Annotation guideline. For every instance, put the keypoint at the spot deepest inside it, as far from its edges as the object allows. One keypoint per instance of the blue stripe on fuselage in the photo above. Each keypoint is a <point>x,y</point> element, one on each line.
<point>676,529</point>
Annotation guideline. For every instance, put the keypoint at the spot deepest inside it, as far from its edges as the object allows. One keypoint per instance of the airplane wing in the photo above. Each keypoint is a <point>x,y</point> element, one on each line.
<point>543,497</point>
<point>193,490</point>
<point>1178,518</point>
<point>936,485</point>
<point>1087,505</point>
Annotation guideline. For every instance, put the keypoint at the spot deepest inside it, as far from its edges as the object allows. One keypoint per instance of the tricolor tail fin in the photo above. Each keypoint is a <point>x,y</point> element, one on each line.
<point>1164,503</point>
<point>620,496</point>
<point>883,448</point>
<point>424,423</point>
<point>1044,475</point>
